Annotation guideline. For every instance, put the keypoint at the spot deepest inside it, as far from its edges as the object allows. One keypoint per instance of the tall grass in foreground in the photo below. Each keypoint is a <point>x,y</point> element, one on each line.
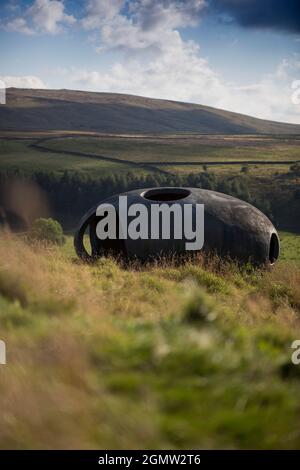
<point>187,355</point>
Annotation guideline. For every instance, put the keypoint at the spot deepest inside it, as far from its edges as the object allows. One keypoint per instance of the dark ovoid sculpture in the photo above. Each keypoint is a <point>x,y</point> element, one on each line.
<point>232,228</point>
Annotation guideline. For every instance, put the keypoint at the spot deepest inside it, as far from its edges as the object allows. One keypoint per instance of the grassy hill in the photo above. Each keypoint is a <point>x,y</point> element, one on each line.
<point>110,112</point>
<point>196,355</point>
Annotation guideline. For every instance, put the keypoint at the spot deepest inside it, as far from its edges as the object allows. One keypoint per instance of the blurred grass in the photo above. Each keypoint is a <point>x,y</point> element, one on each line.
<point>161,356</point>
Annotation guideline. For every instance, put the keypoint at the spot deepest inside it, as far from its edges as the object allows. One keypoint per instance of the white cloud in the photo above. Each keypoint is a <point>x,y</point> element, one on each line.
<point>30,81</point>
<point>19,25</point>
<point>154,14</point>
<point>148,24</point>
<point>146,14</point>
<point>175,74</point>
<point>49,16</point>
<point>43,16</point>
<point>100,11</point>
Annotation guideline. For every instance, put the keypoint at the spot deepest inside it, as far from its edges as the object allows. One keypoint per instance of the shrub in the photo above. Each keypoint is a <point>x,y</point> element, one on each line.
<point>245,169</point>
<point>295,169</point>
<point>47,231</point>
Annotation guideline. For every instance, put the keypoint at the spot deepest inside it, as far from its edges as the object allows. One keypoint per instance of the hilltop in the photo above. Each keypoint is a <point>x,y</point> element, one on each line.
<point>39,110</point>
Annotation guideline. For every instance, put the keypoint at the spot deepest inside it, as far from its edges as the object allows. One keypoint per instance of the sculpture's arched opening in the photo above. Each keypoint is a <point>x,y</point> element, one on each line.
<point>166,194</point>
<point>87,243</point>
<point>88,246</point>
<point>274,248</point>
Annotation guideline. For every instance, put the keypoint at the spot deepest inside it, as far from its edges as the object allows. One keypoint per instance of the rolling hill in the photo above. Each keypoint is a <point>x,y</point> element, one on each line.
<point>39,110</point>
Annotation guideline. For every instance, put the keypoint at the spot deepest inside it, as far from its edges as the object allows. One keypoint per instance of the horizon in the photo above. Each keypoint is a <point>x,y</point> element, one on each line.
<point>155,99</point>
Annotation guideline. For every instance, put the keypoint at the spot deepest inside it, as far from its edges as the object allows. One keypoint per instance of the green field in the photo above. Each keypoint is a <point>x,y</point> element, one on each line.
<point>19,155</point>
<point>290,247</point>
<point>124,152</point>
<point>269,171</point>
<point>182,148</point>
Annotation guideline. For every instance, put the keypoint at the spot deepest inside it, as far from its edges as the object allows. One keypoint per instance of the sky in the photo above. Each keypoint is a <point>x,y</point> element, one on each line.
<point>238,55</point>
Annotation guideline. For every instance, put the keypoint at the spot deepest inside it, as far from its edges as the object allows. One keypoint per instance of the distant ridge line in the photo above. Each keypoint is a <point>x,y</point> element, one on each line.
<point>115,113</point>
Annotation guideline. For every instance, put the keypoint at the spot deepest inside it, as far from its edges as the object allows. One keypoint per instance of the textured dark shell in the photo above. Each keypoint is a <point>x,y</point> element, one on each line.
<point>232,228</point>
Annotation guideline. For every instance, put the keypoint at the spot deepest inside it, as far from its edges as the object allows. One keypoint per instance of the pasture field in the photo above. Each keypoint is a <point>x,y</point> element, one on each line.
<point>19,155</point>
<point>158,149</point>
<point>196,355</point>
<point>290,247</point>
<point>269,171</point>
<point>175,154</point>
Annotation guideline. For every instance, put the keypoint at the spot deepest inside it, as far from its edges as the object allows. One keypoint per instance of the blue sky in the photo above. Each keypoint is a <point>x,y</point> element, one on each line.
<point>240,55</point>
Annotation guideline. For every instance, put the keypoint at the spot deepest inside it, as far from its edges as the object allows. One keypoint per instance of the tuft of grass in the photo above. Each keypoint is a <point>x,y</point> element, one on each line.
<point>13,288</point>
<point>282,285</point>
<point>199,308</point>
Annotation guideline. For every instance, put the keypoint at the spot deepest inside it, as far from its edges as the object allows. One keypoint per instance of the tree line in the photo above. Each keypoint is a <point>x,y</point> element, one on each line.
<point>70,194</point>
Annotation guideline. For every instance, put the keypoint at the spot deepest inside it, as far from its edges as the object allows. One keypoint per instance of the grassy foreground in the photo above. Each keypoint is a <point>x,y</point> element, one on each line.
<point>162,356</point>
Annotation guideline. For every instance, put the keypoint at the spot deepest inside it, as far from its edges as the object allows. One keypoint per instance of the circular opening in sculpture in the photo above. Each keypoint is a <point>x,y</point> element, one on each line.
<point>274,248</point>
<point>166,194</point>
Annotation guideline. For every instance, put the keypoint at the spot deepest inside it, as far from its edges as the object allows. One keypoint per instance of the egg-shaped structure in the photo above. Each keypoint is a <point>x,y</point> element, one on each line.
<point>232,228</point>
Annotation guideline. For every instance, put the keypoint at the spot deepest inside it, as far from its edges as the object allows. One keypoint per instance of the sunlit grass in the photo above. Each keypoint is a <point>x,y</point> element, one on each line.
<point>290,247</point>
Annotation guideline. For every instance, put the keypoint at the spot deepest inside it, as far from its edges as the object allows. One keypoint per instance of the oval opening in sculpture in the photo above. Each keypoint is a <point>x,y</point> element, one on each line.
<point>166,194</point>
<point>274,248</point>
